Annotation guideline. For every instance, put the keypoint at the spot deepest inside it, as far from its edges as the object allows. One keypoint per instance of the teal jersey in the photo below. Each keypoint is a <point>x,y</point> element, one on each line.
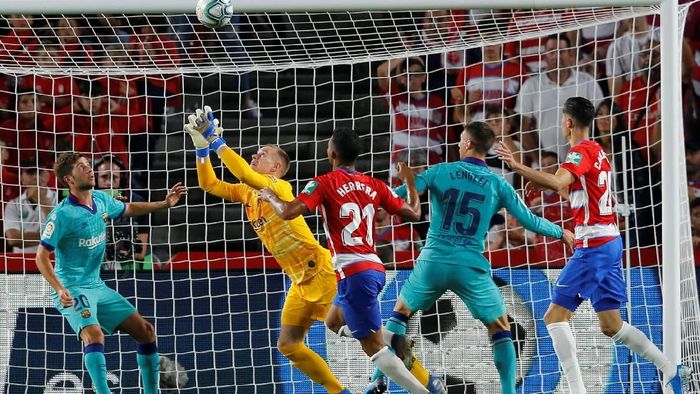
<point>464,196</point>
<point>77,235</point>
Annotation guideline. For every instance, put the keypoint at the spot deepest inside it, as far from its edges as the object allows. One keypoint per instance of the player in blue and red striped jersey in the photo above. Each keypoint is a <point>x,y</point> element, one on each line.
<point>348,201</point>
<point>595,270</point>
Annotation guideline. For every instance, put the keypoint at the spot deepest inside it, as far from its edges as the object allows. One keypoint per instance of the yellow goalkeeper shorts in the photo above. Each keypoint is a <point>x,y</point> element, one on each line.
<point>310,300</point>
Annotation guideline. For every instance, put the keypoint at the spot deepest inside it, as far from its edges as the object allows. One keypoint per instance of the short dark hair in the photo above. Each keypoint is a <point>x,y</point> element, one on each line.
<point>549,153</point>
<point>581,110</point>
<point>347,144</point>
<point>65,163</point>
<point>481,136</point>
<point>560,37</point>
<point>695,203</point>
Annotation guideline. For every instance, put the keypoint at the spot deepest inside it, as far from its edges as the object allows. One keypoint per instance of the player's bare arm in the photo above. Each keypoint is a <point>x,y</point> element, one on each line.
<point>43,263</point>
<point>285,210</point>
<point>557,182</point>
<point>411,208</point>
<point>144,208</point>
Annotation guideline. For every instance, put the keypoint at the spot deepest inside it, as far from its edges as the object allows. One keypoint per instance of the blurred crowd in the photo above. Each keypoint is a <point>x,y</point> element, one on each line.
<point>518,88</point>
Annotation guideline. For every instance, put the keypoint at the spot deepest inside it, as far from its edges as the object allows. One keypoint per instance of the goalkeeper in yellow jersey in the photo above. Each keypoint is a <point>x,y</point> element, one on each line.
<point>297,251</point>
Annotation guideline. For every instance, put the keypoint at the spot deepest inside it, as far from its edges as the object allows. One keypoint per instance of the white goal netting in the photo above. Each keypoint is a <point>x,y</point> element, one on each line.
<point>119,88</point>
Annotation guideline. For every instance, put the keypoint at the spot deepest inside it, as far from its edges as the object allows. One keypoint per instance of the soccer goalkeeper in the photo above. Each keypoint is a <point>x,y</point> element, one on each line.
<point>302,258</point>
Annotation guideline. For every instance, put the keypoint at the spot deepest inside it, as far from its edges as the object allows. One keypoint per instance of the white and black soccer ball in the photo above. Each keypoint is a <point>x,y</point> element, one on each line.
<point>172,374</point>
<point>214,13</point>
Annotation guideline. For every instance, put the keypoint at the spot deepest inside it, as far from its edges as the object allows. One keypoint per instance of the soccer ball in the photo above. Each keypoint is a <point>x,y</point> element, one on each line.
<point>214,13</point>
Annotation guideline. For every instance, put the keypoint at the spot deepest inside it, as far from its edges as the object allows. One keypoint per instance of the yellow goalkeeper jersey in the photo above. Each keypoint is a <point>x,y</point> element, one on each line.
<point>290,241</point>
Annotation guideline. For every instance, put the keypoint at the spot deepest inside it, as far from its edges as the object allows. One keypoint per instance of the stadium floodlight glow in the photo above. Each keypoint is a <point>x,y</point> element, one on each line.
<point>176,6</point>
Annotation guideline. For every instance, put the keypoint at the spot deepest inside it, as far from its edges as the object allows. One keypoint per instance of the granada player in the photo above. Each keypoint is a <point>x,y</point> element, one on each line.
<point>348,200</point>
<point>295,248</point>
<point>595,270</point>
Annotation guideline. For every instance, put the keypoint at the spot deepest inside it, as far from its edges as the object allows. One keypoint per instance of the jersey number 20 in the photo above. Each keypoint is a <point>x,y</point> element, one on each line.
<point>352,210</point>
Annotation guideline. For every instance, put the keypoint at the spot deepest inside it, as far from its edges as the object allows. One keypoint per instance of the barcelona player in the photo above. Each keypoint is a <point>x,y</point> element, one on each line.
<point>292,244</point>
<point>76,232</point>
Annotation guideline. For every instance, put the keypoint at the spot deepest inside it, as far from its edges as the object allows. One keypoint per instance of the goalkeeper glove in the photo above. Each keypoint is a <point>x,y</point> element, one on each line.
<point>204,129</point>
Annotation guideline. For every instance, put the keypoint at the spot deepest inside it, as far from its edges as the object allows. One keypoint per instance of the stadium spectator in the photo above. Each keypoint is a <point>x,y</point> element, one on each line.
<point>639,100</point>
<point>527,53</point>
<point>443,27</point>
<point>490,83</point>
<point>593,48</point>
<point>27,134</point>
<point>71,50</point>
<point>695,222</point>
<point>500,121</point>
<point>400,235</point>
<point>622,59</point>
<point>53,92</point>
<point>24,216</point>
<point>692,165</point>
<point>9,181</point>
<point>418,117</point>
<point>542,96</point>
<point>609,128</point>
<point>20,40</point>
<point>127,238</point>
<point>90,125</point>
<point>510,235</point>
<point>153,46</point>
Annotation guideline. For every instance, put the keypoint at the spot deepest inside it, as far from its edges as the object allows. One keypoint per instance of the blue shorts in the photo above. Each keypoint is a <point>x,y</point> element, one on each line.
<point>429,280</point>
<point>98,305</point>
<point>595,274</point>
<point>358,297</point>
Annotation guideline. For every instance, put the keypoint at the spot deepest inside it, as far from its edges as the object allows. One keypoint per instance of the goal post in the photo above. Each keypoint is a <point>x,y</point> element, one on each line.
<point>287,73</point>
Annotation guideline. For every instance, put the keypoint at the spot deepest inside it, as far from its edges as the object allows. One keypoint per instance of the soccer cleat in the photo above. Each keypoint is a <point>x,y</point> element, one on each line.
<point>681,381</point>
<point>403,347</point>
<point>436,385</point>
<point>378,386</point>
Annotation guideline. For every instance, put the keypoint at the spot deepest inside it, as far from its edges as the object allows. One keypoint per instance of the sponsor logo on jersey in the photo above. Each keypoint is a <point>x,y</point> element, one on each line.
<point>48,230</point>
<point>92,242</point>
<point>574,157</point>
<point>258,223</point>
<point>310,187</point>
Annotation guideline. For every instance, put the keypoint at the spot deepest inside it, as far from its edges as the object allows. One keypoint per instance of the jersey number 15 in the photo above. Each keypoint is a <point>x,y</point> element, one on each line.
<point>458,214</point>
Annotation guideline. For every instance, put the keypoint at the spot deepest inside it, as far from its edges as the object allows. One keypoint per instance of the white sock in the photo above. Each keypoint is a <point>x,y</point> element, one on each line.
<point>637,342</point>
<point>345,332</point>
<point>394,369</point>
<point>565,347</point>
<point>387,335</point>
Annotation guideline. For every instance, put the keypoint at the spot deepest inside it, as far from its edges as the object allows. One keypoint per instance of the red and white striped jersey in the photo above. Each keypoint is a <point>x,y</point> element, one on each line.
<point>348,200</point>
<point>591,194</point>
<point>498,83</point>
<point>418,124</point>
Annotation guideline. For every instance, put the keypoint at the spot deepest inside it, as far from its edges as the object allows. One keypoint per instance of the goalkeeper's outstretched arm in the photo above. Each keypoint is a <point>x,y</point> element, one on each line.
<point>204,129</point>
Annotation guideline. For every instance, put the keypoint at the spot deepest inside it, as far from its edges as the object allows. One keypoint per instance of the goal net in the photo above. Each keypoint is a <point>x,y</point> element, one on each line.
<point>119,88</point>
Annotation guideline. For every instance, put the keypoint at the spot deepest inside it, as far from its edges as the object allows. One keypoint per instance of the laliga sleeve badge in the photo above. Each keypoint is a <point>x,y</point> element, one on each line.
<point>105,217</point>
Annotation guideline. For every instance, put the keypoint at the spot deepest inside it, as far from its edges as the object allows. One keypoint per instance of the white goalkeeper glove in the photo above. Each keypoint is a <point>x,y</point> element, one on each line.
<point>204,130</point>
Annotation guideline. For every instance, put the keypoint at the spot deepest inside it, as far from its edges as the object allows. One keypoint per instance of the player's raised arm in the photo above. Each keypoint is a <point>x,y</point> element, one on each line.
<point>146,207</point>
<point>532,222</point>
<point>411,207</point>
<point>204,128</point>
<point>557,182</point>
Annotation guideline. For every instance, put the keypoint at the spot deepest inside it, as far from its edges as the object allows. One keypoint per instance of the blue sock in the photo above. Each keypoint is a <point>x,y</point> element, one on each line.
<point>149,364</point>
<point>504,358</point>
<point>396,324</point>
<point>97,366</point>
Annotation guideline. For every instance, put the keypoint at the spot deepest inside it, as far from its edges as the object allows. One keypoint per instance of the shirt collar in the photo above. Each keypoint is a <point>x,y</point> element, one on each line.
<point>74,201</point>
<point>475,161</point>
